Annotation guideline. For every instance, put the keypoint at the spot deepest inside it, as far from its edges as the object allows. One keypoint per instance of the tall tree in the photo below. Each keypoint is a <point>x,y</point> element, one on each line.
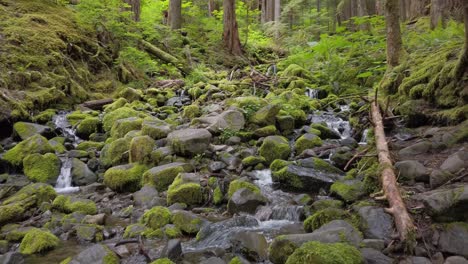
<point>394,42</point>
<point>231,32</point>
<point>361,12</point>
<point>437,13</point>
<point>135,7</point>
<point>175,14</point>
<point>277,15</point>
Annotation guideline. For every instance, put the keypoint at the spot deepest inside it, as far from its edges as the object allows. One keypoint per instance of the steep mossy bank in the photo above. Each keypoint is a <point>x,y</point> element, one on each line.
<point>48,59</point>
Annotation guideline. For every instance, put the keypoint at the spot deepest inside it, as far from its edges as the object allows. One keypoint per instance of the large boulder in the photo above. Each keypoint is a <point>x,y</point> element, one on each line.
<point>163,176</point>
<point>120,113</point>
<point>147,197</point>
<point>188,222</point>
<point>185,189</point>
<point>335,231</point>
<point>231,120</point>
<point>88,126</point>
<point>456,162</point>
<point>415,149</point>
<point>37,241</point>
<point>155,128</point>
<point>42,168</point>
<point>447,204</point>
<point>307,141</point>
<point>122,126</point>
<point>266,115</point>
<point>375,223</point>
<point>97,253</point>
<point>35,144</point>
<point>245,200</point>
<point>189,142</point>
<point>26,130</point>
<point>141,148</point>
<point>81,174</point>
<point>124,178</point>
<point>275,147</point>
<point>115,153</point>
<point>316,252</point>
<point>252,245</point>
<point>453,239</point>
<point>412,170</point>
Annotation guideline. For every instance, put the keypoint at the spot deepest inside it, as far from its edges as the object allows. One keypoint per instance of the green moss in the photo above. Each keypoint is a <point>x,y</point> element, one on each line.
<point>274,147</point>
<point>42,168</point>
<point>162,261</point>
<point>17,234</point>
<point>280,249</point>
<point>113,153</point>
<point>141,148</point>
<point>287,178</point>
<point>111,257</point>
<point>66,261</point>
<point>156,217</point>
<point>328,203</point>
<point>324,216</point>
<point>218,196</point>
<point>75,117</point>
<point>87,145</point>
<point>253,160</point>
<point>154,233</point>
<point>11,212</point>
<point>348,192</point>
<point>294,70</point>
<point>278,164</point>
<point>57,144</point>
<point>91,233</point>
<point>162,177</point>
<point>122,126</point>
<point>235,260</point>
<point>266,131</point>
<point>37,240</point>
<point>172,232</point>
<point>188,193</point>
<point>134,230</point>
<point>111,117</point>
<point>239,184</point>
<point>88,126</point>
<point>34,144</point>
<point>67,204</point>
<point>307,141</point>
<point>44,116</point>
<point>321,253</point>
<point>191,111</point>
<point>187,223</point>
<point>124,178</point>
<point>121,102</point>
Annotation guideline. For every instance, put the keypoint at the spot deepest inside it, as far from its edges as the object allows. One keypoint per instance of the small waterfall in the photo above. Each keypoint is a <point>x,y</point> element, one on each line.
<point>343,128</point>
<point>364,137</point>
<point>272,70</point>
<point>312,93</point>
<point>64,181</point>
<point>64,184</point>
<point>344,108</point>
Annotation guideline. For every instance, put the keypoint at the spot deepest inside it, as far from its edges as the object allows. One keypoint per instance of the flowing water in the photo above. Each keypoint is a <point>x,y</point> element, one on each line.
<point>335,123</point>
<point>64,181</point>
<point>312,93</point>
<point>364,137</point>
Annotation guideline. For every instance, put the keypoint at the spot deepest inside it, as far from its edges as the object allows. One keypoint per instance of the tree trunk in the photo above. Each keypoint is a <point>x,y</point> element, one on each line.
<point>379,7</point>
<point>231,32</point>
<point>465,13</point>
<point>277,17</point>
<point>361,12</point>
<point>394,42</point>
<point>403,221</point>
<point>437,13</point>
<point>175,14</point>
<point>135,7</point>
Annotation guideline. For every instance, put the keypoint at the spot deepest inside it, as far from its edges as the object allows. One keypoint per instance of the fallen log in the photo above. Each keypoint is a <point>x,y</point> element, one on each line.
<point>403,221</point>
<point>97,104</point>
<point>164,56</point>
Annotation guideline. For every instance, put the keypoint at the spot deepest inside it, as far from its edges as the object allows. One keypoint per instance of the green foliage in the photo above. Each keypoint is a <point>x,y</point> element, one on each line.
<point>37,240</point>
<point>156,217</point>
<point>316,252</point>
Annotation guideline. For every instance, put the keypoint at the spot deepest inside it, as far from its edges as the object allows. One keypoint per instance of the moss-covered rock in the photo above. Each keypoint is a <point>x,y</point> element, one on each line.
<point>253,160</point>
<point>155,128</point>
<point>90,233</point>
<point>89,145</point>
<point>119,113</point>
<point>294,70</point>
<point>57,144</point>
<point>134,230</point>
<point>218,195</point>
<point>124,178</point>
<point>44,116</point>
<point>156,217</point>
<point>327,203</point>
<point>275,147</point>
<point>238,184</point>
<point>163,176</point>
<point>349,190</point>
<point>88,126</point>
<point>37,240</point>
<point>286,124</point>
<point>115,152</point>
<point>187,222</point>
<point>265,131</point>
<point>35,144</point>
<point>307,141</point>
<point>122,126</point>
<point>184,191</point>
<point>162,261</point>
<point>266,115</point>
<point>25,130</point>
<point>324,216</point>
<point>69,204</point>
<point>42,168</point>
<point>321,253</point>
<point>325,132</point>
<point>191,111</point>
<point>141,148</point>
<point>189,142</point>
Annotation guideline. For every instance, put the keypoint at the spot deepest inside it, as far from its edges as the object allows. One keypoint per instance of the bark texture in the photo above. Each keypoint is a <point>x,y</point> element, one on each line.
<point>403,221</point>
<point>175,14</point>
<point>135,7</point>
<point>231,33</point>
<point>394,42</point>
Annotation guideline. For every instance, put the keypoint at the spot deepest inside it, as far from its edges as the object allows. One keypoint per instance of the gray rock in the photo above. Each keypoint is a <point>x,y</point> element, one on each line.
<point>232,161</point>
<point>188,222</point>
<point>25,130</point>
<point>213,260</point>
<point>333,232</point>
<point>204,254</point>
<point>97,254</point>
<point>448,203</point>
<point>375,223</point>
<point>162,176</point>
<point>12,258</point>
<point>232,120</point>
<point>415,260</point>
<point>172,250</point>
<point>155,128</point>
<point>95,219</point>
<point>439,177</point>
<point>373,256</point>
<point>252,245</point>
<point>81,174</point>
<point>378,244</point>
<point>456,162</point>
<point>456,260</point>
<point>216,166</point>
<point>234,141</point>
<point>412,170</point>
<point>147,197</point>
<point>245,200</point>
<point>188,142</point>
<point>349,142</point>
<point>305,179</point>
<point>453,239</point>
<point>266,115</point>
<point>416,149</point>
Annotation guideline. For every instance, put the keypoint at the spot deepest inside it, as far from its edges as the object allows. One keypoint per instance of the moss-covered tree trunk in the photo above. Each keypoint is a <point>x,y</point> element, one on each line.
<point>135,7</point>
<point>394,42</point>
<point>361,12</point>
<point>437,13</point>
<point>465,13</point>
<point>231,32</point>
<point>175,14</point>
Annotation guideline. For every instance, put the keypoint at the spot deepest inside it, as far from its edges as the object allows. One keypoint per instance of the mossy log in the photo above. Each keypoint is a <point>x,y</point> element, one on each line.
<point>164,56</point>
<point>403,221</point>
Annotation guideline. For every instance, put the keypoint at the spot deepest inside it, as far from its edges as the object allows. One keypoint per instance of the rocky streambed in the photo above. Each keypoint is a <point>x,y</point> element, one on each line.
<point>208,177</point>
